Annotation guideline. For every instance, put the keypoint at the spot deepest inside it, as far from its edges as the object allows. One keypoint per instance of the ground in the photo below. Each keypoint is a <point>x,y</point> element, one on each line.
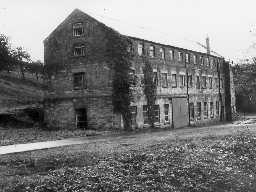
<point>216,158</point>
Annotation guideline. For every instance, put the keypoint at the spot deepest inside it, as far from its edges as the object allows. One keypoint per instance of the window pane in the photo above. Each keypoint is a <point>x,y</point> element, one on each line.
<point>174,80</point>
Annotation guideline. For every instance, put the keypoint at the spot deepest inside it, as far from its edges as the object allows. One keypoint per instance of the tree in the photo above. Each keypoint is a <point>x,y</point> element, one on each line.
<point>20,57</point>
<point>35,67</point>
<point>5,55</point>
<point>149,90</point>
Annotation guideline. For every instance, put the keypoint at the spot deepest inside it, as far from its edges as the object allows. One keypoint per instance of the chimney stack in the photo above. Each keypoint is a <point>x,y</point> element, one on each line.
<point>208,45</point>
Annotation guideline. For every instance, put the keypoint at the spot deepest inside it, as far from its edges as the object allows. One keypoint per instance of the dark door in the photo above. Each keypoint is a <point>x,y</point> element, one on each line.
<point>180,112</point>
<point>81,118</point>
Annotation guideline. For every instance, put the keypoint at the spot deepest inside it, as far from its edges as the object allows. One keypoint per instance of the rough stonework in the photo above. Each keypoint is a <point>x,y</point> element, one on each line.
<point>192,87</point>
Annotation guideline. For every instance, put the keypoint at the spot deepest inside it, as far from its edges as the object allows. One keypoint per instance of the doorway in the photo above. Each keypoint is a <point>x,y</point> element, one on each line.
<point>81,118</point>
<point>180,112</point>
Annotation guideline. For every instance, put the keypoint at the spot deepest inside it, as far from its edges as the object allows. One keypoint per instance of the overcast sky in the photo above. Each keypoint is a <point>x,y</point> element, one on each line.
<point>230,24</point>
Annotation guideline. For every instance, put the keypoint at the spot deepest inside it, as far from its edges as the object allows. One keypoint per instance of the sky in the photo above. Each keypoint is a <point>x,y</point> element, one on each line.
<point>230,24</point>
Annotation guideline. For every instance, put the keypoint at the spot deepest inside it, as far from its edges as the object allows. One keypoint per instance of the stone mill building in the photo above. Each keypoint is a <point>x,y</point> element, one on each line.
<point>192,87</point>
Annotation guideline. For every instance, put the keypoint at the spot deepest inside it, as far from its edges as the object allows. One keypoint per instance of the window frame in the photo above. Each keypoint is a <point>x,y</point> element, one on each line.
<point>83,50</point>
<point>74,27</point>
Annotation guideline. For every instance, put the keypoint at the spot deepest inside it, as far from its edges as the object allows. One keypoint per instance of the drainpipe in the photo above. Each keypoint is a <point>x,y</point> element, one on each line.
<point>220,96</point>
<point>187,91</point>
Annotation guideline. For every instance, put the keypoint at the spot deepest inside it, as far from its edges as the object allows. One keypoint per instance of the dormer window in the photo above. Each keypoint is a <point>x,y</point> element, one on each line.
<point>187,58</point>
<point>79,51</point>
<point>140,49</point>
<point>78,29</point>
<point>180,56</point>
<point>152,51</point>
<point>162,54</point>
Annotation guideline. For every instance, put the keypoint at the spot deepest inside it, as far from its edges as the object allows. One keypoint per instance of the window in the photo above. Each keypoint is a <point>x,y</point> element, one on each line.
<point>197,82</point>
<point>190,81</point>
<point>216,82</point>
<point>155,78</point>
<point>211,62</point>
<point>187,58</point>
<point>174,80</point>
<point>217,107</point>
<point>166,113</point>
<point>79,81</point>
<point>221,83</point>
<point>198,106</point>
<point>129,48</point>
<point>211,110</point>
<point>204,82</point>
<point>79,51</point>
<point>180,56</point>
<point>191,111</point>
<point>210,82</point>
<point>171,54</point>
<point>152,51</point>
<point>164,80</point>
<point>201,60</point>
<point>133,110</point>
<point>156,114</point>
<point>194,59</point>
<point>78,29</point>
<point>207,61</point>
<point>162,54</point>
<point>182,80</point>
<point>205,110</point>
<point>140,49</point>
<point>145,114</point>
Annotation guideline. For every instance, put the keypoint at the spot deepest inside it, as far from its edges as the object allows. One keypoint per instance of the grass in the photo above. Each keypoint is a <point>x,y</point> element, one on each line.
<point>210,163</point>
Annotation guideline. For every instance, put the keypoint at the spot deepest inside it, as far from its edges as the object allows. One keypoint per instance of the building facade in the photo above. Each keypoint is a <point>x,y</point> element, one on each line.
<point>191,86</point>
